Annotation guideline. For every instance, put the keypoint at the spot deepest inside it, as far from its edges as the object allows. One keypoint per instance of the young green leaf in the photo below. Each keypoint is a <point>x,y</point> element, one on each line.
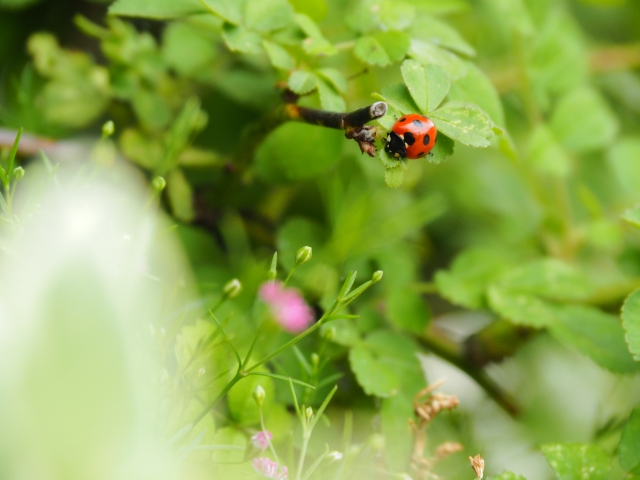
<point>329,98</point>
<point>267,15</point>
<point>407,310</point>
<point>278,56</point>
<point>337,79</point>
<point>180,195</point>
<point>622,159</point>
<point>315,43</point>
<point>632,215</point>
<point>629,447</point>
<point>631,322</point>
<point>416,82</point>
<point>394,177</point>
<point>574,461</point>
<point>465,123</point>
<point>429,28</point>
<point>302,82</point>
<point>441,150</point>
<point>374,377</point>
<point>438,85</point>
<point>387,161</point>
<point>472,272</point>
<point>395,43</point>
<point>476,87</point>
<point>584,110</point>
<point>595,334</point>
<point>370,51</point>
<point>239,39</point>
<point>546,154</point>
<point>429,54</point>
<point>398,96</point>
<point>507,475</point>
<point>157,9</point>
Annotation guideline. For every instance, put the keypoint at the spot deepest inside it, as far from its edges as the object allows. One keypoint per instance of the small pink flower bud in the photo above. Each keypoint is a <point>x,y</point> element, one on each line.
<point>269,468</point>
<point>261,440</point>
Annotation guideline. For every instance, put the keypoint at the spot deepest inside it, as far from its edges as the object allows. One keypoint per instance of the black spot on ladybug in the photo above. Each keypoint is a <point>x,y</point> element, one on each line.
<point>417,123</point>
<point>402,119</point>
<point>409,139</point>
<point>426,140</point>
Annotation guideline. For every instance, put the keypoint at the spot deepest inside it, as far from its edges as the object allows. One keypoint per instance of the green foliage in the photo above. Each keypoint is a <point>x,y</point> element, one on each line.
<point>577,461</point>
<point>521,224</point>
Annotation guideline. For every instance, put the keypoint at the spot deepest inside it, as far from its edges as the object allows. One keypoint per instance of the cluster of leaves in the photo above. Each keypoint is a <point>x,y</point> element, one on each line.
<point>529,236</point>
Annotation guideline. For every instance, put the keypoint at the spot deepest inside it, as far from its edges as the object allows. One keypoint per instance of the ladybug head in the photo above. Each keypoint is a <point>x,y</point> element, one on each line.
<point>395,146</point>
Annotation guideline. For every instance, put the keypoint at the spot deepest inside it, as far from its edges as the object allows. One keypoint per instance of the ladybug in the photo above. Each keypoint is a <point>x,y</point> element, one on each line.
<point>413,136</point>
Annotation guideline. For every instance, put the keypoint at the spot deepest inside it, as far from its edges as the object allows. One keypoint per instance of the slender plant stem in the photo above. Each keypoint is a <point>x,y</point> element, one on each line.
<point>303,452</point>
<point>264,431</point>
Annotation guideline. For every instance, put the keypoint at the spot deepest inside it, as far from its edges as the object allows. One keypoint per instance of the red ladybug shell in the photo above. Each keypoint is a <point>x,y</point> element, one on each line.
<point>415,136</point>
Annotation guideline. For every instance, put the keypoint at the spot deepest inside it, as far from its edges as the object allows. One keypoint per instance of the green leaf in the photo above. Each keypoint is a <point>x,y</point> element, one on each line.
<point>187,49</point>
<point>441,150</point>
<point>231,437</point>
<point>242,406</point>
<point>546,155</point>
<point>158,9</point>
<point>395,43</point>
<point>437,32</point>
<point>315,9</point>
<point>398,96</point>
<point>416,82</point>
<point>622,158</point>
<point>629,447</point>
<point>471,274</point>
<point>437,86</point>
<point>330,99</point>
<point>280,158</point>
<point>395,414</point>
<point>387,161</point>
<point>631,322</point>
<point>374,377</point>
<point>239,39</point>
<point>523,309</point>
<point>267,15</point>
<point>278,56</point>
<point>370,51</point>
<point>584,110</point>
<point>180,196</point>
<point>396,14</point>
<point>507,475</point>
<point>337,79</point>
<point>632,215</point>
<point>394,177</point>
<point>464,123</point>
<point>407,310</point>
<point>476,87</point>
<point>302,82</point>
<point>548,278</point>
<point>595,334</point>
<point>228,10</point>
<point>573,461</point>
<point>315,43</point>
<point>429,54</point>
<point>400,352</point>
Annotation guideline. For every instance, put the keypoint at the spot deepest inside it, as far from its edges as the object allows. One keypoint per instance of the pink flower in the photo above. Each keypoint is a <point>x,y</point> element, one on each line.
<point>261,440</point>
<point>269,468</point>
<point>287,306</point>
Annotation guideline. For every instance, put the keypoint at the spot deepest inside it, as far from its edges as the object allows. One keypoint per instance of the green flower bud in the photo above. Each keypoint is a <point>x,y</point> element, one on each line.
<point>259,394</point>
<point>158,183</point>
<point>309,412</point>
<point>18,173</point>
<point>330,333</point>
<point>377,276</point>
<point>232,288</point>
<point>315,359</point>
<point>107,129</point>
<point>303,255</point>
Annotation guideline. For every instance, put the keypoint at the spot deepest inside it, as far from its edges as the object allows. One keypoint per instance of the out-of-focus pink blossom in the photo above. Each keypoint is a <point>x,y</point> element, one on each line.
<point>269,468</point>
<point>261,439</point>
<point>287,306</point>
